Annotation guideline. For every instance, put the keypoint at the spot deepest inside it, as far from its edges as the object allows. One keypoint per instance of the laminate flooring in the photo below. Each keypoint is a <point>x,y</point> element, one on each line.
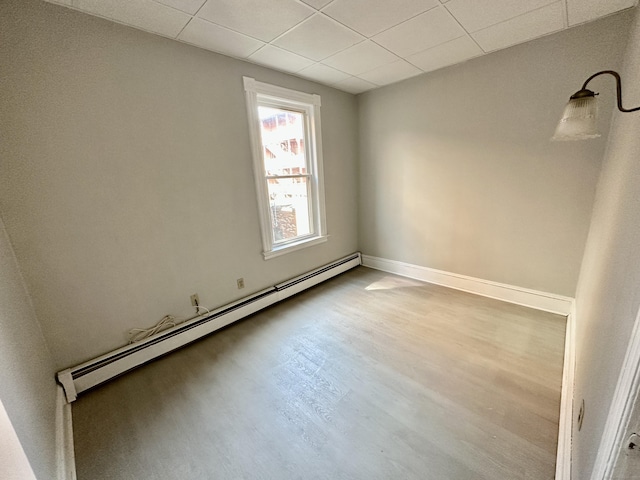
<point>366,376</point>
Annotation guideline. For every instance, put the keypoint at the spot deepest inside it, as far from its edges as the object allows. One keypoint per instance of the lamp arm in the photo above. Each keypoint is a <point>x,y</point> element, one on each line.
<point>618,88</point>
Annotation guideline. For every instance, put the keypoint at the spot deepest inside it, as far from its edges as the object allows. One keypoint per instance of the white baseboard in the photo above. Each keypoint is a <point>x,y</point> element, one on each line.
<point>548,302</point>
<point>565,424</point>
<point>64,438</point>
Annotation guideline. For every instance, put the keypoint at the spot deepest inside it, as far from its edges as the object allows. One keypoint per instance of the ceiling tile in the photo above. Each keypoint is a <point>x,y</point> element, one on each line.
<point>256,18</point>
<point>581,11</point>
<point>520,29</point>
<point>318,38</point>
<point>280,59</point>
<point>354,85</point>
<point>369,17</point>
<point>327,40</point>
<point>424,31</point>
<point>189,6</point>
<point>360,58</point>
<point>455,51</point>
<point>219,39</point>
<point>474,15</point>
<point>393,72</point>
<point>317,4</point>
<point>143,14</point>
<point>323,74</point>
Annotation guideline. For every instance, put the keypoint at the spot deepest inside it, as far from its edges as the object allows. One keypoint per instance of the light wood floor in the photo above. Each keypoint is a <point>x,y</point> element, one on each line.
<point>367,376</point>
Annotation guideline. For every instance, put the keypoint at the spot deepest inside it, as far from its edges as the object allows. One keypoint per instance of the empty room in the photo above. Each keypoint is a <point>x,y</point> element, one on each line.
<point>319,239</point>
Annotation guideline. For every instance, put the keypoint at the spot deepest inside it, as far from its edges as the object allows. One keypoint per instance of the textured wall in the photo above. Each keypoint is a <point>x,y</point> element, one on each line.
<point>126,180</point>
<point>457,171</point>
<point>27,384</point>
<point>608,296</point>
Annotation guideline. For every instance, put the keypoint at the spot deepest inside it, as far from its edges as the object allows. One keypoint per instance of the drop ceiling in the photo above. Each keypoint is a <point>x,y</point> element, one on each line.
<point>352,45</point>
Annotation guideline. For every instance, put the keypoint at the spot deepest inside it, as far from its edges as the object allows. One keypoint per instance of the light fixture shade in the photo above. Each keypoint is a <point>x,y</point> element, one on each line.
<point>579,120</point>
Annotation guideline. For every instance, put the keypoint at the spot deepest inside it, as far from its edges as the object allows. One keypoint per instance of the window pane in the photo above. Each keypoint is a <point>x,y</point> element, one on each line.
<point>282,133</point>
<point>289,201</point>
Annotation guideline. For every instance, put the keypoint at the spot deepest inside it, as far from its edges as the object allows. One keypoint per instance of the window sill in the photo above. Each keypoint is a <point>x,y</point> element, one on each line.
<point>292,247</point>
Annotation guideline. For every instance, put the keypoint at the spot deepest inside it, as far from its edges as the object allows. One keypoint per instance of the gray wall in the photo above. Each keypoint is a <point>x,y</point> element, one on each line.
<point>27,385</point>
<point>126,180</point>
<point>457,171</point>
<point>608,296</point>
<point>126,185</point>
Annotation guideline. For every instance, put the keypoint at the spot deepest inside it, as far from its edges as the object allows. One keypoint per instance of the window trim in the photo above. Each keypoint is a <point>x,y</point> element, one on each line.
<point>299,101</point>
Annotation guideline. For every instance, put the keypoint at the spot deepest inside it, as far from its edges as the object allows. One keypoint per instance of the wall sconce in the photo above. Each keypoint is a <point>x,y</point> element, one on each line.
<point>579,120</point>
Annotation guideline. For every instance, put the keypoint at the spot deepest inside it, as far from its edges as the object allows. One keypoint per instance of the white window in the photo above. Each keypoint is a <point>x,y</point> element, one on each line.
<point>287,160</point>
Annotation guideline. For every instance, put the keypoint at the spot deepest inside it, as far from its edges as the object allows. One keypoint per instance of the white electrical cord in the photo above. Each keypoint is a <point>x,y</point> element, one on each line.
<point>168,321</point>
<point>137,334</point>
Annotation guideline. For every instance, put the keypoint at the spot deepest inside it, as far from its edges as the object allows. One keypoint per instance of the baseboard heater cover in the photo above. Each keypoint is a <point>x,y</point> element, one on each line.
<point>87,375</point>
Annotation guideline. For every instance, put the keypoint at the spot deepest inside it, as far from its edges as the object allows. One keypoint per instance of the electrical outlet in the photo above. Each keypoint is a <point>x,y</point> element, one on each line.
<point>195,300</point>
<point>240,283</point>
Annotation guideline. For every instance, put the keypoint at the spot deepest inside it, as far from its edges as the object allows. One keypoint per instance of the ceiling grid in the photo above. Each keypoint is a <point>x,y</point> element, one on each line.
<point>352,45</point>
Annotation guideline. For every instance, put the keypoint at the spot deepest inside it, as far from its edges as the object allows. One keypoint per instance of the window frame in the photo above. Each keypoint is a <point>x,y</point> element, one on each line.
<point>264,94</point>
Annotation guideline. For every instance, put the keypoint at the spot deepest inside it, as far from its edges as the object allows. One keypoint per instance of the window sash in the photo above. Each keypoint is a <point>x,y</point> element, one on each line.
<point>293,175</point>
<point>311,221</point>
<point>259,94</point>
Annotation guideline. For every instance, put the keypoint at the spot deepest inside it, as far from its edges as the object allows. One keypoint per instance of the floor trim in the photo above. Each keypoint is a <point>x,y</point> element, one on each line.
<point>565,423</point>
<point>548,302</point>
<point>64,438</point>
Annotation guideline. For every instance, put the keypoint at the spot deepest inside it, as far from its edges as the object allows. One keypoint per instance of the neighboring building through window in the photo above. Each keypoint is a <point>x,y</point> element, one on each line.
<point>287,150</point>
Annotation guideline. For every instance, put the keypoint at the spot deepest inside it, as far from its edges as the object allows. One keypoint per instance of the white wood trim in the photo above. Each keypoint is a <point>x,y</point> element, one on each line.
<point>255,141</point>
<point>565,424</point>
<point>548,302</point>
<point>292,247</point>
<point>64,438</point>
<point>257,93</point>
<point>317,156</point>
<point>253,85</point>
<point>627,390</point>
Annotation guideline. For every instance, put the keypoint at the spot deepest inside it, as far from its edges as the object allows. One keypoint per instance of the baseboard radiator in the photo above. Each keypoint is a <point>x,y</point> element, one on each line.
<point>87,375</point>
